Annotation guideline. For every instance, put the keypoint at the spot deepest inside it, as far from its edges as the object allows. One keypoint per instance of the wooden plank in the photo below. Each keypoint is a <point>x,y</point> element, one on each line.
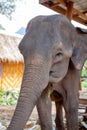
<point>69,11</point>
<point>83,101</point>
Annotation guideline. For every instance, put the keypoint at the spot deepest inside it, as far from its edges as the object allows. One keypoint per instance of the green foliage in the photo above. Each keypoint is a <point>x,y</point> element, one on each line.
<point>7,7</point>
<point>9,97</point>
<point>84,75</point>
<point>84,71</point>
<point>84,83</point>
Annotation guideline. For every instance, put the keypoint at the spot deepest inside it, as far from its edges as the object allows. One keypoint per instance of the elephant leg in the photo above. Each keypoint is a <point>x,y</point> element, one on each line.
<point>71,97</point>
<point>71,110</point>
<point>59,116</point>
<point>44,110</point>
<point>57,97</point>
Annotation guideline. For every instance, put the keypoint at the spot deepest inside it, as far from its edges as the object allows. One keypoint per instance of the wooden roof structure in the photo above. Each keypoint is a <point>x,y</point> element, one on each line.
<point>9,48</point>
<point>74,9</point>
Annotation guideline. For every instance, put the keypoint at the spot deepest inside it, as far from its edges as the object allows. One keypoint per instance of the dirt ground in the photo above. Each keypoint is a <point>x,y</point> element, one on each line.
<point>6,113</point>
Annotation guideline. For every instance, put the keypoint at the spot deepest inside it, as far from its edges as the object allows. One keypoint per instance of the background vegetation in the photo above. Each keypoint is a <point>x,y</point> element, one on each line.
<point>9,97</point>
<point>7,7</point>
<point>84,75</point>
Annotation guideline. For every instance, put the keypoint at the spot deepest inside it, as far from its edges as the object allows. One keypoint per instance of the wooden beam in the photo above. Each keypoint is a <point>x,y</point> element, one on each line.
<point>64,2</point>
<point>69,11</point>
<point>80,20</point>
<point>63,11</point>
<point>60,10</point>
<point>76,15</point>
<point>84,12</point>
<point>55,5</point>
<point>79,13</point>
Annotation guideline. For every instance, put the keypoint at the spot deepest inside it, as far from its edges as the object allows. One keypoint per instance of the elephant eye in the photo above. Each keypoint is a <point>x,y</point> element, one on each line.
<point>59,54</point>
<point>58,57</point>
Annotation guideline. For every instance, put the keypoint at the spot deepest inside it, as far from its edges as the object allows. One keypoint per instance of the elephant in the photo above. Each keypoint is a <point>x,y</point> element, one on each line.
<point>47,48</point>
<point>65,93</point>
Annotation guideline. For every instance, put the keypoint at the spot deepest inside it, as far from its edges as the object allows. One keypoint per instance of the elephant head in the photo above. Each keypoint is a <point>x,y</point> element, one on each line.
<point>47,48</point>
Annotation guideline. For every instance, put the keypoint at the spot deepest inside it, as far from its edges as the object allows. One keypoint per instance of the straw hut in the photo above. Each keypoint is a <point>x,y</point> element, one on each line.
<point>11,61</point>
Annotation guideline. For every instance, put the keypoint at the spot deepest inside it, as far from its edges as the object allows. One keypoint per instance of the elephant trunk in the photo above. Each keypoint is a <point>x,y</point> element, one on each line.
<point>34,81</point>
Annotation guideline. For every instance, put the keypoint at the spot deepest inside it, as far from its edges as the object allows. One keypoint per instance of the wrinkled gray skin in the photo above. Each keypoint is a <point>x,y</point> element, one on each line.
<point>65,93</point>
<point>47,47</point>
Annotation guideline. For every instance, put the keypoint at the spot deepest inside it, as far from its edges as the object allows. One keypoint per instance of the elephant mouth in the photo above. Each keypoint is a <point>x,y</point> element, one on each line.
<point>53,77</point>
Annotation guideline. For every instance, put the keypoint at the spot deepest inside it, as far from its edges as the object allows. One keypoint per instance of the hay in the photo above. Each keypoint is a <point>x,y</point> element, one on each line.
<point>9,48</point>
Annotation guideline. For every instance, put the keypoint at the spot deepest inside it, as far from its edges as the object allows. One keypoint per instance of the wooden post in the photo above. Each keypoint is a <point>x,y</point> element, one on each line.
<point>69,11</point>
<point>80,88</point>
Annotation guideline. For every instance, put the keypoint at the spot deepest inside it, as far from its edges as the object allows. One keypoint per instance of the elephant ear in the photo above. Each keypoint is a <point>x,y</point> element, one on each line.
<point>75,59</point>
<point>80,49</point>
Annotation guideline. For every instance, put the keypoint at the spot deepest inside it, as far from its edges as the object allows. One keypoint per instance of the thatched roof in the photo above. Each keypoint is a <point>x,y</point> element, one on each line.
<point>9,48</point>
